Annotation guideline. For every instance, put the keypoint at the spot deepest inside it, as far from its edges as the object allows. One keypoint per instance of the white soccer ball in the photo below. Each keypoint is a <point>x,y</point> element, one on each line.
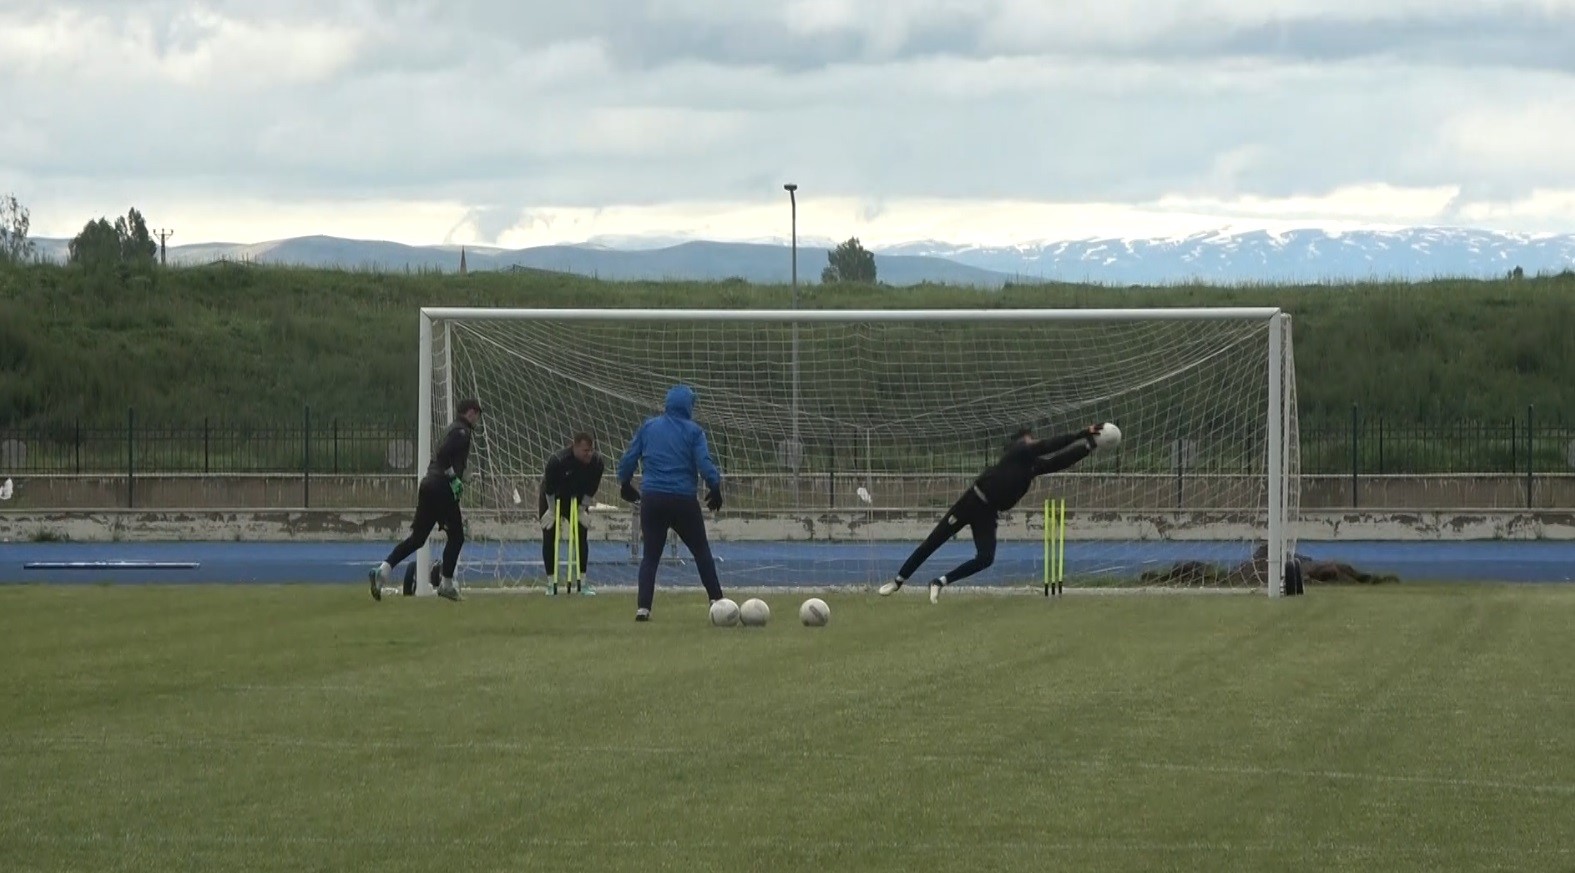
<point>814,612</point>
<point>754,612</point>
<point>1109,436</point>
<point>724,613</point>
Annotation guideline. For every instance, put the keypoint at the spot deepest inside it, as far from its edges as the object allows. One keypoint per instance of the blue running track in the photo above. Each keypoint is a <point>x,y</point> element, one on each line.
<point>764,564</point>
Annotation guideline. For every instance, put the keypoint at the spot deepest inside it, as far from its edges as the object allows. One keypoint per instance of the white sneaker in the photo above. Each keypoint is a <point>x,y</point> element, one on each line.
<point>890,588</point>
<point>935,591</point>
<point>449,590</point>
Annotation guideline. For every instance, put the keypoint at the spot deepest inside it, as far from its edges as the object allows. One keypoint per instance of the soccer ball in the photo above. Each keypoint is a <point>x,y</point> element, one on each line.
<point>724,613</point>
<point>1109,436</point>
<point>754,612</point>
<point>814,612</point>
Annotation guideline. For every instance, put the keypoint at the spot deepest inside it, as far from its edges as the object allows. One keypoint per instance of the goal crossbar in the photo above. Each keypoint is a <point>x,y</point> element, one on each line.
<point>1177,313</point>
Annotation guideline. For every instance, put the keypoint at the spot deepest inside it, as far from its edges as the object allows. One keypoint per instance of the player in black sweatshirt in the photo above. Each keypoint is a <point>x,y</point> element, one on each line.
<point>995,491</point>
<point>437,503</point>
<point>572,474</point>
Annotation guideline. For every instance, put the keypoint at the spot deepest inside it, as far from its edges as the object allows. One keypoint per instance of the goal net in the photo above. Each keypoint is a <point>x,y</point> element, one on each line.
<point>844,436</point>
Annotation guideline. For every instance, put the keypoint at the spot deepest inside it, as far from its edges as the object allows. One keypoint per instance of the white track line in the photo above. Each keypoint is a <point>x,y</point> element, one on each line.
<point>402,836</point>
<point>556,753</point>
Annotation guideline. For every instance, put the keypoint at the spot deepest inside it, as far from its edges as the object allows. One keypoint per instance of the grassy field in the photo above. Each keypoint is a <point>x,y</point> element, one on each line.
<point>307,728</point>
<point>252,344</point>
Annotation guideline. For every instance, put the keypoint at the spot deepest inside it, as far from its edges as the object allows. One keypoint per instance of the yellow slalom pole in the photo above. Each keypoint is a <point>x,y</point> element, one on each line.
<point>574,544</point>
<point>1049,555</point>
<point>1060,562</point>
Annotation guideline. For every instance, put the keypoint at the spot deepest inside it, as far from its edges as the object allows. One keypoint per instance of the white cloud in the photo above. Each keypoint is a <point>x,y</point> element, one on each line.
<point>942,118</point>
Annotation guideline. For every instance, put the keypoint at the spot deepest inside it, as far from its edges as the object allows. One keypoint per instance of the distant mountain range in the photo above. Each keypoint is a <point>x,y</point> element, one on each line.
<point>1221,257</point>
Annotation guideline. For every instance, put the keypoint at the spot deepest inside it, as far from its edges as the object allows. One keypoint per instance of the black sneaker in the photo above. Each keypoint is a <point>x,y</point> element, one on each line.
<point>642,615</point>
<point>377,584</point>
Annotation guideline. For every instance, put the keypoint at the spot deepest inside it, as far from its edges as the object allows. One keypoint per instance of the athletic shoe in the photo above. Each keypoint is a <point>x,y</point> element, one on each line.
<point>935,591</point>
<point>642,615</point>
<point>450,591</point>
<point>376,580</point>
<point>890,588</point>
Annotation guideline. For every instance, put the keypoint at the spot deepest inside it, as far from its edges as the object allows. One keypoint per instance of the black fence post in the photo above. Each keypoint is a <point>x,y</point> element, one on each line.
<point>1380,445</point>
<point>306,458</point>
<point>1355,459</point>
<point>1514,445</point>
<point>1531,453</point>
<point>131,458</point>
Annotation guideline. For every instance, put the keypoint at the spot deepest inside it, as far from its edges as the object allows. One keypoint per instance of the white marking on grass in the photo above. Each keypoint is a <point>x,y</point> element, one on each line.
<point>557,753</point>
<point>812,844</point>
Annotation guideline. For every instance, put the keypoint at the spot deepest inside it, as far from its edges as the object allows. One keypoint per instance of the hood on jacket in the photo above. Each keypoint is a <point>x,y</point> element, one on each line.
<point>681,401</point>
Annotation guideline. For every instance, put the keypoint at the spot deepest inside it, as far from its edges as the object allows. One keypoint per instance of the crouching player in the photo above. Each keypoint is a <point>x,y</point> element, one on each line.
<point>572,476</point>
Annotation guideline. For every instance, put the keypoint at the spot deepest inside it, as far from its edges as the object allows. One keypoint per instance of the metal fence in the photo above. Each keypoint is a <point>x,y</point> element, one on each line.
<point>1358,446</point>
<point>304,447</point>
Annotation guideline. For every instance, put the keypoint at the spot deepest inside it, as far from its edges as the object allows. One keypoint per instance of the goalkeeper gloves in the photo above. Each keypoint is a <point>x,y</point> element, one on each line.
<point>627,492</point>
<point>457,487</point>
<point>713,498</point>
<point>549,520</point>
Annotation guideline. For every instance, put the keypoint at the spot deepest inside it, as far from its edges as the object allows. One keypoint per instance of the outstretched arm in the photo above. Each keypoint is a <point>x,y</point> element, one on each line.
<point>596,476</point>
<point>1061,460</point>
<point>1057,443</point>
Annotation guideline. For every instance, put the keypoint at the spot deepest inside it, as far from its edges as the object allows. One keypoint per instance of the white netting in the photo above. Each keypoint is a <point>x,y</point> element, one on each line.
<point>908,411</point>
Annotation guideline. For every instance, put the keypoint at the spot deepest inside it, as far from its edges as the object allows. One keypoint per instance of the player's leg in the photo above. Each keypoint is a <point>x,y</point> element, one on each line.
<point>655,519</point>
<point>549,546</point>
<point>548,540</point>
<point>585,556</point>
<point>421,525</point>
<point>984,529</point>
<point>943,531</point>
<point>689,522</point>
<point>454,524</point>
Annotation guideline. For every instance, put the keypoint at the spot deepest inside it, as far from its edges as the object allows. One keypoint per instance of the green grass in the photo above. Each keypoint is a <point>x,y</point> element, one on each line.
<point>306,728</point>
<point>258,344</point>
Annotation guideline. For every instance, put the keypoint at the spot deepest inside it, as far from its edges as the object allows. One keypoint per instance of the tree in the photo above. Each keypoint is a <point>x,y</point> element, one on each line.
<point>136,244</point>
<point>97,246</point>
<point>125,244</point>
<point>14,223</point>
<point>849,262</point>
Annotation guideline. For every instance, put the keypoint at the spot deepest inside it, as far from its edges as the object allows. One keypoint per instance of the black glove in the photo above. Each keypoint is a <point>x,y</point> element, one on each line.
<point>627,492</point>
<point>713,499</point>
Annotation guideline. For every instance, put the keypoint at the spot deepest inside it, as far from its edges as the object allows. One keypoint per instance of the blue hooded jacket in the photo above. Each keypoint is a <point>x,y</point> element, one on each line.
<point>673,448</point>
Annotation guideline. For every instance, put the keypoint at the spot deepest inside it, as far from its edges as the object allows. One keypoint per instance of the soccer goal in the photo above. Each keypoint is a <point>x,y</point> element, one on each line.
<point>844,435</point>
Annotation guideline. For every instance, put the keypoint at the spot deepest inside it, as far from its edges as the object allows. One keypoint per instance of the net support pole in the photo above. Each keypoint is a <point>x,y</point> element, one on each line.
<point>1276,462</point>
<point>423,556</point>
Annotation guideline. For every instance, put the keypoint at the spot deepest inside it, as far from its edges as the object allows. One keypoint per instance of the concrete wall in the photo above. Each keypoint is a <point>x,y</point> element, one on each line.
<point>325,525</point>
<point>328,508</point>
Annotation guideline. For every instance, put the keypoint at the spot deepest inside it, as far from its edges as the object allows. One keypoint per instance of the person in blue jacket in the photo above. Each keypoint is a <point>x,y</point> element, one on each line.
<point>673,452</point>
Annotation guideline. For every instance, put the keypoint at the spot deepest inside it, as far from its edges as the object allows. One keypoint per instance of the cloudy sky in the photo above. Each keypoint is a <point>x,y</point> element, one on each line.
<point>491,122</point>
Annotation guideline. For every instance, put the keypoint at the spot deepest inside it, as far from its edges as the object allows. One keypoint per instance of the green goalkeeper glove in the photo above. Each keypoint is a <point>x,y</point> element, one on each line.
<point>457,487</point>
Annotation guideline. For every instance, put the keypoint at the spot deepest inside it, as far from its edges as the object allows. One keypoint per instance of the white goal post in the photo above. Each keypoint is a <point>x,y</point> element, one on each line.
<point>843,435</point>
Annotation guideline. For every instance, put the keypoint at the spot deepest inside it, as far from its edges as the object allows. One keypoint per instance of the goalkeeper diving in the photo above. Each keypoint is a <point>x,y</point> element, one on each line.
<point>995,491</point>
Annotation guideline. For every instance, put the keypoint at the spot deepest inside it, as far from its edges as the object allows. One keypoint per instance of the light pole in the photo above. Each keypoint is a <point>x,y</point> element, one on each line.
<point>795,451</point>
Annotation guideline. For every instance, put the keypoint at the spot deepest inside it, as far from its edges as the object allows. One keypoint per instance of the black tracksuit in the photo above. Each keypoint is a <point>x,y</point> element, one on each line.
<point>995,491</point>
<point>565,479</point>
<point>435,500</point>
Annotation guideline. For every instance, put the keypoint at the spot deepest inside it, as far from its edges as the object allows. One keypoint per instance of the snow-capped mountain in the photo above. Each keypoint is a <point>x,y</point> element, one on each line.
<point>1223,257</point>
<point>1264,256</point>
